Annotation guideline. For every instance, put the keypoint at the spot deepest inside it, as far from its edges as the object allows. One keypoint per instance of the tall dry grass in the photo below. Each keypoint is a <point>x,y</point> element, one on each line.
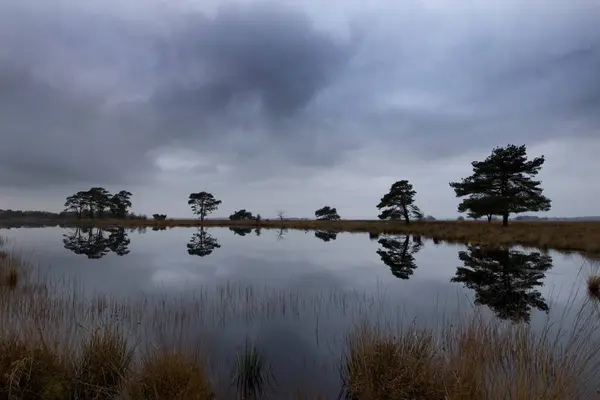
<point>474,359</point>
<point>58,343</point>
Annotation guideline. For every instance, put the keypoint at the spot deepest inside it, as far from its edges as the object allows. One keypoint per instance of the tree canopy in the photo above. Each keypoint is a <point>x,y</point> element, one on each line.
<point>503,184</point>
<point>242,215</point>
<point>327,214</point>
<point>203,203</point>
<point>93,203</point>
<point>398,203</point>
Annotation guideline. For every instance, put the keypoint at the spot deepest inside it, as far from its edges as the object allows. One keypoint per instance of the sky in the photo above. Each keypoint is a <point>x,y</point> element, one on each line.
<point>293,105</point>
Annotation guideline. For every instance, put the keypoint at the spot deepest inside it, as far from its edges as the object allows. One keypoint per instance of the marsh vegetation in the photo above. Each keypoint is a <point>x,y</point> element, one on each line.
<point>60,341</point>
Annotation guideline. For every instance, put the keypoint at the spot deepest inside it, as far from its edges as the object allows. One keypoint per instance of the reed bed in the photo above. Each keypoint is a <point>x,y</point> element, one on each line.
<point>59,342</point>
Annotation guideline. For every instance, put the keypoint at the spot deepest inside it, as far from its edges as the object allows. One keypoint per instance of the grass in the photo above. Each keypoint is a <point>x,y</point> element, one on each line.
<point>581,236</point>
<point>170,374</point>
<point>471,360</point>
<point>252,374</point>
<point>56,343</point>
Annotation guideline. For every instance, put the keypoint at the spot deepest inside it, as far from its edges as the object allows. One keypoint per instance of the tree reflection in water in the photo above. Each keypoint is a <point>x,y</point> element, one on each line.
<point>202,243</point>
<point>505,280</point>
<point>326,236</point>
<point>94,242</point>
<point>240,231</point>
<point>398,253</point>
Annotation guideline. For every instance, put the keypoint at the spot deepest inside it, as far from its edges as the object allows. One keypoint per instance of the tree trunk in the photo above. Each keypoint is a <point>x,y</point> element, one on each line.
<point>489,218</point>
<point>406,214</point>
<point>505,219</point>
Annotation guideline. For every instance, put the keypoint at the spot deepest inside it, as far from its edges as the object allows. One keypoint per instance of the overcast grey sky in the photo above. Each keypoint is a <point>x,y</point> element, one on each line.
<point>293,105</point>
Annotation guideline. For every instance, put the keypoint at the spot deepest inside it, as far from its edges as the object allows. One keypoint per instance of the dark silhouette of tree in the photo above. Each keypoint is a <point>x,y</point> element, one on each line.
<point>120,203</point>
<point>242,215</point>
<point>398,253</point>
<point>159,217</point>
<point>398,203</point>
<point>93,243</point>
<point>258,231</point>
<point>159,228</point>
<point>203,203</point>
<point>504,280</point>
<point>99,201</point>
<point>326,236</point>
<point>479,207</point>
<point>327,214</point>
<point>240,231</point>
<point>202,244</point>
<point>374,235</point>
<point>77,203</point>
<point>281,215</point>
<point>93,203</point>
<point>503,184</point>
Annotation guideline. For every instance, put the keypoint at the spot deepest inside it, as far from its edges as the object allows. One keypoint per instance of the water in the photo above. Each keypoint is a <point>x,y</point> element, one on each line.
<point>328,281</point>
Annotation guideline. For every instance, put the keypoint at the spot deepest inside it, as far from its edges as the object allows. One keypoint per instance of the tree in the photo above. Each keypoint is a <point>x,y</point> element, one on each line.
<point>327,214</point>
<point>504,280</point>
<point>159,217</point>
<point>120,204</point>
<point>92,203</point>
<point>398,203</point>
<point>480,207</point>
<point>99,200</point>
<point>242,215</point>
<point>503,184</point>
<point>76,203</point>
<point>203,203</point>
<point>281,215</point>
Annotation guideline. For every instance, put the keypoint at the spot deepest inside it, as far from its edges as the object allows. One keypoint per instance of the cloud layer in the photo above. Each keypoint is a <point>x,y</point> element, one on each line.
<point>265,99</point>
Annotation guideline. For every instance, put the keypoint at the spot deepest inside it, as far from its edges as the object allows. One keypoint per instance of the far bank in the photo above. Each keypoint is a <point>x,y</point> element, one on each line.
<point>582,236</point>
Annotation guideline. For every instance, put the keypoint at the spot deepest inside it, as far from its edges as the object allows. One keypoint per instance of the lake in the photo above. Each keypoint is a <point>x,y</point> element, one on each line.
<point>294,293</point>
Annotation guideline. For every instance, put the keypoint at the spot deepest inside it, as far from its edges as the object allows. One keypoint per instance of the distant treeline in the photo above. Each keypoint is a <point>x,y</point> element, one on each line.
<point>48,215</point>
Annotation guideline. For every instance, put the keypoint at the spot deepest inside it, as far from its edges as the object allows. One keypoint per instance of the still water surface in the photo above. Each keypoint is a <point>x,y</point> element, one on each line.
<point>414,275</point>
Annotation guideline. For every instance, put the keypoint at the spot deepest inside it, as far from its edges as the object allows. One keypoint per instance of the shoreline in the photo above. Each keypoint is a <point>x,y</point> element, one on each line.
<point>579,236</point>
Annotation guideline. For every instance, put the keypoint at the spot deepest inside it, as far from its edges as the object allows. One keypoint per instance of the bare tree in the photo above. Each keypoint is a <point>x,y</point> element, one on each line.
<point>281,215</point>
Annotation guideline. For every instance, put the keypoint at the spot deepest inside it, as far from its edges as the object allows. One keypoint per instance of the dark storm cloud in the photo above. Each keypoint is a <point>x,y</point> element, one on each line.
<point>88,96</point>
<point>248,69</point>
<point>266,49</point>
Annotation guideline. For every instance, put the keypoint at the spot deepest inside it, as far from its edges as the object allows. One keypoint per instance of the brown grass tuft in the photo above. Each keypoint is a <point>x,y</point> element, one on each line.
<point>31,370</point>
<point>170,374</point>
<point>473,360</point>
<point>104,363</point>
